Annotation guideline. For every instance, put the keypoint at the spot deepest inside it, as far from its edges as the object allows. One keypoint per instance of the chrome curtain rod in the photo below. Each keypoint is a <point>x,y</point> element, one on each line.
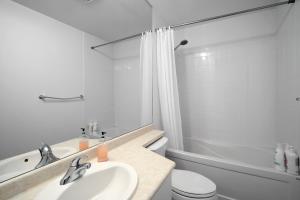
<point>206,20</point>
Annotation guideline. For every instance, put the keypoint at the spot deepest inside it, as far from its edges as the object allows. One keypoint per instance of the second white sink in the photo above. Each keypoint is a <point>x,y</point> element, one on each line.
<point>26,162</point>
<point>105,181</point>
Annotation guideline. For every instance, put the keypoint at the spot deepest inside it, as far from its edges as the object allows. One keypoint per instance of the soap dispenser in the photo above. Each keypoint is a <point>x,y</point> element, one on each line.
<point>102,152</point>
<point>83,142</point>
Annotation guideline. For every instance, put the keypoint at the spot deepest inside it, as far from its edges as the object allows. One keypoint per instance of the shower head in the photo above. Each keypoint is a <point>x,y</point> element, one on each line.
<point>183,42</point>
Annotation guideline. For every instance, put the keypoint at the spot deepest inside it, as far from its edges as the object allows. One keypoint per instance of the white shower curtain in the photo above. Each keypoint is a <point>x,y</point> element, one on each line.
<point>146,77</point>
<point>168,89</point>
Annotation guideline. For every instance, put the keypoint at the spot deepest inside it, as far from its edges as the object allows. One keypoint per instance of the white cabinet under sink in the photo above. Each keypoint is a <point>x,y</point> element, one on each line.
<point>165,190</point>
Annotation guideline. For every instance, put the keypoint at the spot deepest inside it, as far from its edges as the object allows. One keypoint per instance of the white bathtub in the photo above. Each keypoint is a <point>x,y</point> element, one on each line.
<point>257,156</point>
<point>240,172</point>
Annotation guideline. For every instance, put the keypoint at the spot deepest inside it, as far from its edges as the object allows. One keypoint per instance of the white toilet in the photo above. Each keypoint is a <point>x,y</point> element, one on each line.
<point>186,185</point>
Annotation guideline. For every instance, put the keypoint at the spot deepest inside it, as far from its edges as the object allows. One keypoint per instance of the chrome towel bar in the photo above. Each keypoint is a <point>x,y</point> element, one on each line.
<point>43,97</point>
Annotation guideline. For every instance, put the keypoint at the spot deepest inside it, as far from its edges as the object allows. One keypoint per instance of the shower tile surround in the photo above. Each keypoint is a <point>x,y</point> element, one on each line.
<point>126,60</point>
<point>238,79</point>
<point>230,86</point>
<point>151,168</point>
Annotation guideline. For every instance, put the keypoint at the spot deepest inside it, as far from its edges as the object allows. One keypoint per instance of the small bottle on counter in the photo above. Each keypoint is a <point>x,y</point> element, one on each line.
<point>102,152</point>
<point>292,158</point>
<point>279,160</point>
<point>83,142</point>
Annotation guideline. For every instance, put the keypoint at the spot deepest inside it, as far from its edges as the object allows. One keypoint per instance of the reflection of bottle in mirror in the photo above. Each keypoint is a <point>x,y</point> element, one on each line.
<point>83,132</point>
<point>90,128</point>
<point>83,144</point>
<point>95,128</point>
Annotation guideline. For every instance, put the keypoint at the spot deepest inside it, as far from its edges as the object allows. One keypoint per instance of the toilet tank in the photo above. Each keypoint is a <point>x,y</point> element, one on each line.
<point>159,146</point>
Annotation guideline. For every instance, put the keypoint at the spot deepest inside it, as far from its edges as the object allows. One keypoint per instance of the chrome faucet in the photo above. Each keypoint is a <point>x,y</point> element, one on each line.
<point>75,171</point>
<point>47,156</point>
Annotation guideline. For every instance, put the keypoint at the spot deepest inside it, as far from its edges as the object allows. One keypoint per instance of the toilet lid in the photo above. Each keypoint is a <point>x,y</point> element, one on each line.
<point>192,184</point>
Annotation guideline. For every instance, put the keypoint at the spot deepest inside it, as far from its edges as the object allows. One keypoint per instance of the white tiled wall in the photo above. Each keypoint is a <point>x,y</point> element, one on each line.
<point>127,84</point>
<point>113,78</point>
<point>234,87</point>
<point>227,92</point>
<point>98,83</point>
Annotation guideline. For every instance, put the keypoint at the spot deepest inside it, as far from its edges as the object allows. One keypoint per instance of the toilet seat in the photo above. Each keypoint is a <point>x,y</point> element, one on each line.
<point>192,185</point>
<point>176,196</point>
<point>195,196</point>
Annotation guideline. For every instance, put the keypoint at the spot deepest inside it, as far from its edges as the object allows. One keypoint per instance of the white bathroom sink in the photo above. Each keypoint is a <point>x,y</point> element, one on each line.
<point>25,162</point>
<point>105,181</point>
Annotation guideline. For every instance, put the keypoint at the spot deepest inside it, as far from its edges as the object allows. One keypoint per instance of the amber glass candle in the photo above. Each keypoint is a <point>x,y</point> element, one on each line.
<point>102,152</point>
<point>83,144</point>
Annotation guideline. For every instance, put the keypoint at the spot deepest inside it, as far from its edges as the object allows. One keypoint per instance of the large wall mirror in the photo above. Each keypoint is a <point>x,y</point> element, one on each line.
<point>45,51</point>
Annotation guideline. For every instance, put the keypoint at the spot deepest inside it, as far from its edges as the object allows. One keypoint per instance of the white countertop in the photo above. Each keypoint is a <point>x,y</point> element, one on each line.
<point>152,169</point>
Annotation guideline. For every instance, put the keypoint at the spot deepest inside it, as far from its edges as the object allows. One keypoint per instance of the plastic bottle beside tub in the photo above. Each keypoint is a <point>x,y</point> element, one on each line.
<point>292,161</point>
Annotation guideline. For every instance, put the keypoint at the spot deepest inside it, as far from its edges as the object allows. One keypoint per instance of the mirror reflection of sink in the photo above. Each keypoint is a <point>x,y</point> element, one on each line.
<point>25,162</point>
<point>105,181</point>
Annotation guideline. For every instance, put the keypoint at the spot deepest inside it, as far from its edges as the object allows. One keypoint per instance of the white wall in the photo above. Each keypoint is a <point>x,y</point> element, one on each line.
<point>288,77</point>
<point>41,55</point>
<point>37,54</point>
<point>227,76</point>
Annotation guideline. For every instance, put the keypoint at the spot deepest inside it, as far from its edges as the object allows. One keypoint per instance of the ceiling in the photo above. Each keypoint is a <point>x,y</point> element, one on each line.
<point>114,19</point>
<point>107,19</point>
<point>179,11</point>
